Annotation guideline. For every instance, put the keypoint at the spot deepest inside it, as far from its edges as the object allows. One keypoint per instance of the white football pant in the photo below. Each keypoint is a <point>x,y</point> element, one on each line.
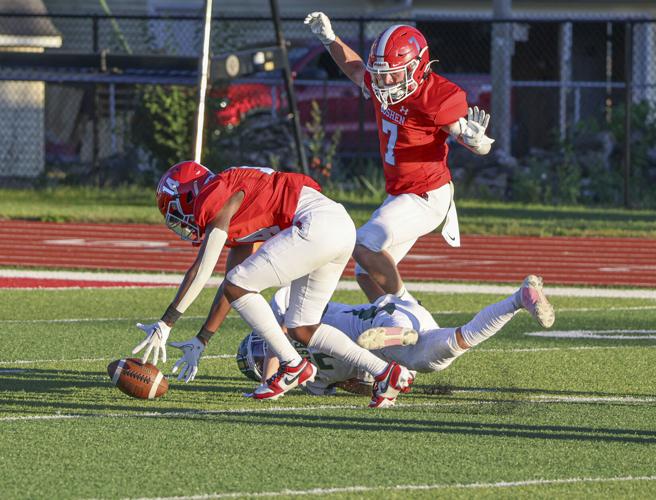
<point>397,224</point>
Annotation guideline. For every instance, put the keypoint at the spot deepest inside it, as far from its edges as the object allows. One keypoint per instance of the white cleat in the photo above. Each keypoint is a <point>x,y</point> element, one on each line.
<point>387,336</point>
<point>535,302</point>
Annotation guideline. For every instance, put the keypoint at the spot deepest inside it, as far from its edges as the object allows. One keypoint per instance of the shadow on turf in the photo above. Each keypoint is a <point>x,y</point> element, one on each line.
<point>404,425</point>
<point>428,391</point>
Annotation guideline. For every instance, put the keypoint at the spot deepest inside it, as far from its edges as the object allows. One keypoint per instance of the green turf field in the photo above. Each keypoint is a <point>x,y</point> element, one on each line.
<point>518,416</point>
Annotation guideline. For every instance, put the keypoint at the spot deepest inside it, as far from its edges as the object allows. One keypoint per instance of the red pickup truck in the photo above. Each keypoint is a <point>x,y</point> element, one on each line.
<point>317,78</point>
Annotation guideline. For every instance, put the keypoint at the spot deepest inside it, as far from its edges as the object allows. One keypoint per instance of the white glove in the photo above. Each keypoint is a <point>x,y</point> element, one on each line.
<point>156,336</point>
<point>192,350</point>
<point>472,130</point>
<point>320,26</point>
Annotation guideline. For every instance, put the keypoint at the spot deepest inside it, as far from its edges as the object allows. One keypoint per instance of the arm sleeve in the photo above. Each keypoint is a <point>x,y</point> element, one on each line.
<point>214,242</point>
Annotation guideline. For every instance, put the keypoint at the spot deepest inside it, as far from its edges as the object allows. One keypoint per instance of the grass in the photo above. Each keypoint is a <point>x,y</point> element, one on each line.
<point>137,205</point>
<point>512,413</point>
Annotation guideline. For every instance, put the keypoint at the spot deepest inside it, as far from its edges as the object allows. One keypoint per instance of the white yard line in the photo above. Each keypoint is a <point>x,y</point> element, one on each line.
<point>231,356</point>
<point>410,487</point>
<point>234,316</point>
<point>537,399</point>
<point>175,279</point>
<point>89,360</point>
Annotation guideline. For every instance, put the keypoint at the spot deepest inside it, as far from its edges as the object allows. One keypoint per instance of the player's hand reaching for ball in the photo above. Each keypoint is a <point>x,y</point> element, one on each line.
<point>156,336</point>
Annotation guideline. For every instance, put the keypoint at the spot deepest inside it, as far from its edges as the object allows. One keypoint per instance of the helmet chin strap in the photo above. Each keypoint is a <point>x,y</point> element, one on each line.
<point>428,68</point>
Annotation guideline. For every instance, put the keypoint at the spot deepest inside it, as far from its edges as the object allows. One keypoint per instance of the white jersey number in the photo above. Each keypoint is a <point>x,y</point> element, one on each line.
<point>391,129</point>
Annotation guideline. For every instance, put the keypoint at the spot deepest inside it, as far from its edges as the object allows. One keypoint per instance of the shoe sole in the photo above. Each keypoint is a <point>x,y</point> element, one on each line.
<point>387,336</point>
<point>542,311</point>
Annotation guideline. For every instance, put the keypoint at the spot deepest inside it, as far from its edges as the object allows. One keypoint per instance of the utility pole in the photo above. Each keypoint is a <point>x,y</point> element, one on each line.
<point>203,70</point>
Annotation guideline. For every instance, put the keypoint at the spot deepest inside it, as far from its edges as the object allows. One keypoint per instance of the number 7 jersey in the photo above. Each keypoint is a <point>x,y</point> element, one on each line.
<point>412,143</point>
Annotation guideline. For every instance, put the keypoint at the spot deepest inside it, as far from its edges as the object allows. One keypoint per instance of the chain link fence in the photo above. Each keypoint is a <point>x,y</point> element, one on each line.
<point>558,90</point>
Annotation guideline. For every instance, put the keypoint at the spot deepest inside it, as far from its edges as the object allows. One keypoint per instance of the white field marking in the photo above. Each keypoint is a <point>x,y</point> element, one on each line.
<point>175,279</point>
<point>584,399</point>
<point>231,356</point>
<point>235,316</point>
<point>11,371</point>
<point>88,360</point>
<point>90,320</point>
<point>408,487</point>
<point>93,242</point>
<point>537,399</point>
<point>578,348</point>
<point>596,334</point>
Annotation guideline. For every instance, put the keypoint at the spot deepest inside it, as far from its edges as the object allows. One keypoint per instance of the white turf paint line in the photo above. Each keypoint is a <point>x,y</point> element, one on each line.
<point>234,316</point>
<point>409,487</point>
<point>596,334</point>
<point>175,279</point>
<point>231,356</point>
<point>89,360</point>
<point>537,399</point>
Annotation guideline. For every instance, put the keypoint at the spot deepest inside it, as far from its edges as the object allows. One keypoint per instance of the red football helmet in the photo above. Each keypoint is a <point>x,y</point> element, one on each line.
<point>176,192</point>
<point>398,62</point>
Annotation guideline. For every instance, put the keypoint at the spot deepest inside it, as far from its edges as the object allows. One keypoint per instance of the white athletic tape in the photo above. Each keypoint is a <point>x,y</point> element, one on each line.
<point>117,373</point>
<point>153,389</point>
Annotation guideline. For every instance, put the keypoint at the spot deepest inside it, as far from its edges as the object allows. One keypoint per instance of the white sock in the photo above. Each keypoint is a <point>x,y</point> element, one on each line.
<point>255,311</point>
<point>489,321</point>
<point>335,343</point>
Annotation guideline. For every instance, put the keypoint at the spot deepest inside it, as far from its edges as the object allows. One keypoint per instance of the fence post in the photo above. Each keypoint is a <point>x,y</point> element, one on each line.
<point>289,86</point>
<point>628,82</point>
<point>501,62</point>
<point>95,164</point>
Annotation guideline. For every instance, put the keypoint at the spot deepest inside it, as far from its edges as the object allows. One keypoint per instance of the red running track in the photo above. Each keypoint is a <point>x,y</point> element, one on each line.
<point>561,260</point>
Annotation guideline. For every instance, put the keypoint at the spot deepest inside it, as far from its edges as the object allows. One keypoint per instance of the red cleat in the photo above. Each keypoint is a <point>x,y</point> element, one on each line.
<point>389,384</point>
<point>285,379</point>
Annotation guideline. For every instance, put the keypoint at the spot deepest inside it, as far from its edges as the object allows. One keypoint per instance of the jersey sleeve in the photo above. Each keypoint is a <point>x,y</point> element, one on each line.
<point>452,106</point>
<point>209,203</point>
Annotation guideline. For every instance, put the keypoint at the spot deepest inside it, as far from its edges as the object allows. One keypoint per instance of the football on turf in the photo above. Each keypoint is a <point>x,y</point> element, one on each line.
<point>143,381</point>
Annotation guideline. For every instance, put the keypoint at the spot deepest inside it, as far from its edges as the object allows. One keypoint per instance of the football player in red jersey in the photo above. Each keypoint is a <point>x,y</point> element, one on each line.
<point>308,239</point>
<point>416,111</point>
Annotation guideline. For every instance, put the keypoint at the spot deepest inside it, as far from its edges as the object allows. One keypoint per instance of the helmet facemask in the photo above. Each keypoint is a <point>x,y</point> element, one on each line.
<point>180,223</point>
<point>393,85</point>
<point>250,356</point>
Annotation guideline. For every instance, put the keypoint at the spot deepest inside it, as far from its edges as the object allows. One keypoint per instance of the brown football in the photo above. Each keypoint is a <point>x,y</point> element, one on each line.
<point>143,381</point>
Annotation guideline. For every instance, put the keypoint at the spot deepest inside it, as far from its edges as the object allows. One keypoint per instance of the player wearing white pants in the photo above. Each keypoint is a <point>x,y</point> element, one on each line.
<point>308,240</point>
<point>311,255</point>
<point>433,349</point>
<point>416,112</point>
<point>397,224</point>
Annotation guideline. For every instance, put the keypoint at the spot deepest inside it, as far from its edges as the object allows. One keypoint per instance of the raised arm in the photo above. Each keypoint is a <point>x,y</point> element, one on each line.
<point>346,58</point>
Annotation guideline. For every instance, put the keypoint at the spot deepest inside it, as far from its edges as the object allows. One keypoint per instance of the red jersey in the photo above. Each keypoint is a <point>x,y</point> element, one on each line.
<point>270,200</point>
<point>412,143</point>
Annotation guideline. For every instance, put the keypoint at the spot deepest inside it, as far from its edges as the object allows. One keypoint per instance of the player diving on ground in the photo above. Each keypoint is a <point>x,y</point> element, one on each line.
<point>397,330</point>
